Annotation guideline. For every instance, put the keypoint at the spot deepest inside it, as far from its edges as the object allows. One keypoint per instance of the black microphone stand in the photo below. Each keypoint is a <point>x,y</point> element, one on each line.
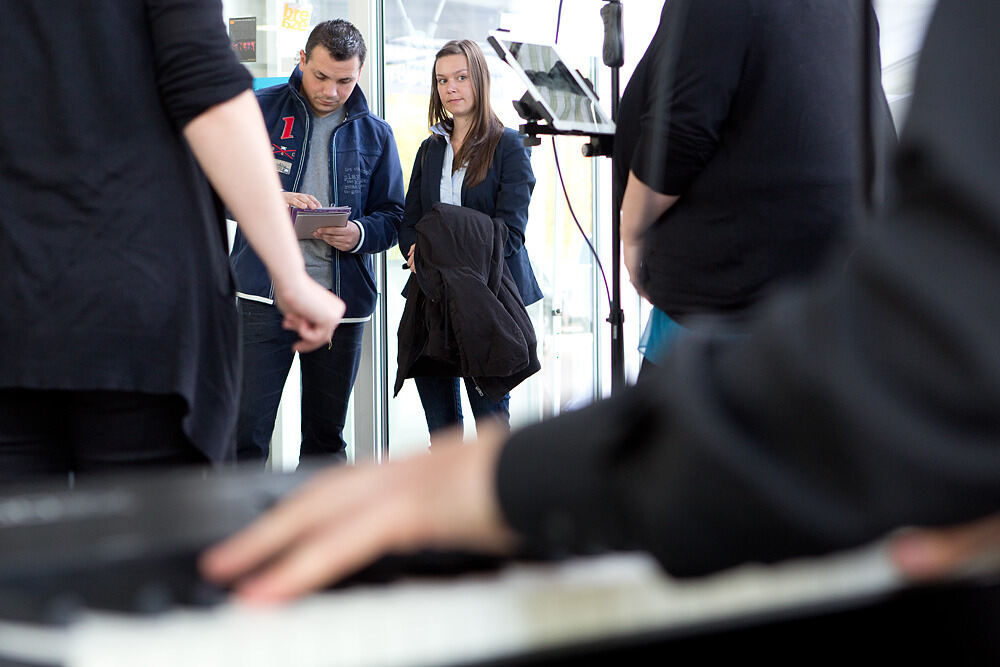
<point>614,57</point>
<point>599,145</point>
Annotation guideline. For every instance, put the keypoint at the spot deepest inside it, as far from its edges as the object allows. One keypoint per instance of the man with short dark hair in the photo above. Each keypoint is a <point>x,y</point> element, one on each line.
<point>329,150</point>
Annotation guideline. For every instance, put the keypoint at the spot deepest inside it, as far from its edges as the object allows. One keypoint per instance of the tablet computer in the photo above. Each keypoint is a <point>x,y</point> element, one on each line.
<point>307,220</point>
<point>560,94</point>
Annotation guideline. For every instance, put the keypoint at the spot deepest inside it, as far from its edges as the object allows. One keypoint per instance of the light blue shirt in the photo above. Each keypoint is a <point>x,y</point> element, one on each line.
<point>451,188</point>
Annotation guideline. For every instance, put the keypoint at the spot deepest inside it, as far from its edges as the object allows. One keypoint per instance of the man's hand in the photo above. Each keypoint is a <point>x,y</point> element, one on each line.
<point>301,200</point>
<point>346,517</point>
<point>342,238</point>
<point>929,554</point>
<point>409,258</point>
<point>310,310</point>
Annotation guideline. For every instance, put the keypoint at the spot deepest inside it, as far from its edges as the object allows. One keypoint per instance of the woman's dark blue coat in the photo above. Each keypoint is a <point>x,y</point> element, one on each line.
<point>503,195</point>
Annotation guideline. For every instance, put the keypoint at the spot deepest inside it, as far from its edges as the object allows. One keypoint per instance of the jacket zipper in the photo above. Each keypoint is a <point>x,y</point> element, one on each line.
<point>302,161</point>
<point>336,200</point>
<point>336,194</point>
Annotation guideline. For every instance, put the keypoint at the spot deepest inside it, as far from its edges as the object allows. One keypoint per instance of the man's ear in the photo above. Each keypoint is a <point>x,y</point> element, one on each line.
<point>302,58</point>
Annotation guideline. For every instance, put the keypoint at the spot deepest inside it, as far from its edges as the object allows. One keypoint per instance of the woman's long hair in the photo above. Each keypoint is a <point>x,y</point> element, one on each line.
<point>480,143</point>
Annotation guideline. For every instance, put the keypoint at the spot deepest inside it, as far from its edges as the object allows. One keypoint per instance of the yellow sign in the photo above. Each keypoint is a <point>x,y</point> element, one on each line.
<point>296,16</point>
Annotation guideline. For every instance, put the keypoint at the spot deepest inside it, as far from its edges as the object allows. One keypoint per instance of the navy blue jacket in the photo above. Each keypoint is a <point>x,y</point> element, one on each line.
<point>366,175</point>
<point>504,195</point>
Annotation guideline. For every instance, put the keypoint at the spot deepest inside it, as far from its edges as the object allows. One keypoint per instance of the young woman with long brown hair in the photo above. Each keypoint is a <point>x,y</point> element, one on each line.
<point>469,160</point>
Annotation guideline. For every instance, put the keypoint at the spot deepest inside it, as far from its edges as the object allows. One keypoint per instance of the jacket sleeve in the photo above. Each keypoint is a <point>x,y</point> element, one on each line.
<point>863,402</point>
<point>517,181</point>
<point>384,202</point>
<point>413,208</point>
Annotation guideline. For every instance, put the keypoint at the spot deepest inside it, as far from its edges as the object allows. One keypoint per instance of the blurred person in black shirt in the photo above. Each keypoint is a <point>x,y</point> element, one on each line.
<point>118,329</point>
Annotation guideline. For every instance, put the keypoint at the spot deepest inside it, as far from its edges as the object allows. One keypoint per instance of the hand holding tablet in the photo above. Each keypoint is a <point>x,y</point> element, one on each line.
<point>307,220</point>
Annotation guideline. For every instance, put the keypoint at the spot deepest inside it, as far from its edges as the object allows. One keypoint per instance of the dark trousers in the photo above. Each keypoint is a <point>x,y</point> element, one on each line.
<point>53,432</point>
<point>327,379</point>
<point>443,404</point>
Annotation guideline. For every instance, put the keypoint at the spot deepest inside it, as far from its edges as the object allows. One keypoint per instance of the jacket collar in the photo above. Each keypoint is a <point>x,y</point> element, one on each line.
<point>356,105</point>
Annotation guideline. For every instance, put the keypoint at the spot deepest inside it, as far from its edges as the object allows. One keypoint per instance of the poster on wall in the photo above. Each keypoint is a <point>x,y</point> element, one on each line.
<point>296,16</point>
<point>243,35</point>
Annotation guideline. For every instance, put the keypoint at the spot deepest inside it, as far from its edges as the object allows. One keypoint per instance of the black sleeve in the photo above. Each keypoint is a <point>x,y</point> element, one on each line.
<point>195,64</point>
<point>413,208</point>
<point>695,65</point>
<point>866,401</point>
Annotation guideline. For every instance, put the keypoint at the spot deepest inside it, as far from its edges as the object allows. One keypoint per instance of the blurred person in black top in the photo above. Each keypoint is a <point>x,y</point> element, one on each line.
<point>118,329</point>
<point>739,146</point>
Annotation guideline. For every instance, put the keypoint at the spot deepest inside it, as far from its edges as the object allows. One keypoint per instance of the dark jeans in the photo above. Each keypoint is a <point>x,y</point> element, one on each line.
<point>443,404</point>
<point>327,379</point>
<point>53,432</point>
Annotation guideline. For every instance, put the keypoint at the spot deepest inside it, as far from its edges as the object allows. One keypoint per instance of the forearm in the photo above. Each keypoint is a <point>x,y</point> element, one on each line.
<point>641,207</point>
<point>230,143</point>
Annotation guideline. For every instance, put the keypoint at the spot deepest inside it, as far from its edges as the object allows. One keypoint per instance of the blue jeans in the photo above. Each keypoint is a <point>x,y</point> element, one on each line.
<point>327,380</point>
<point>443,404</point>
